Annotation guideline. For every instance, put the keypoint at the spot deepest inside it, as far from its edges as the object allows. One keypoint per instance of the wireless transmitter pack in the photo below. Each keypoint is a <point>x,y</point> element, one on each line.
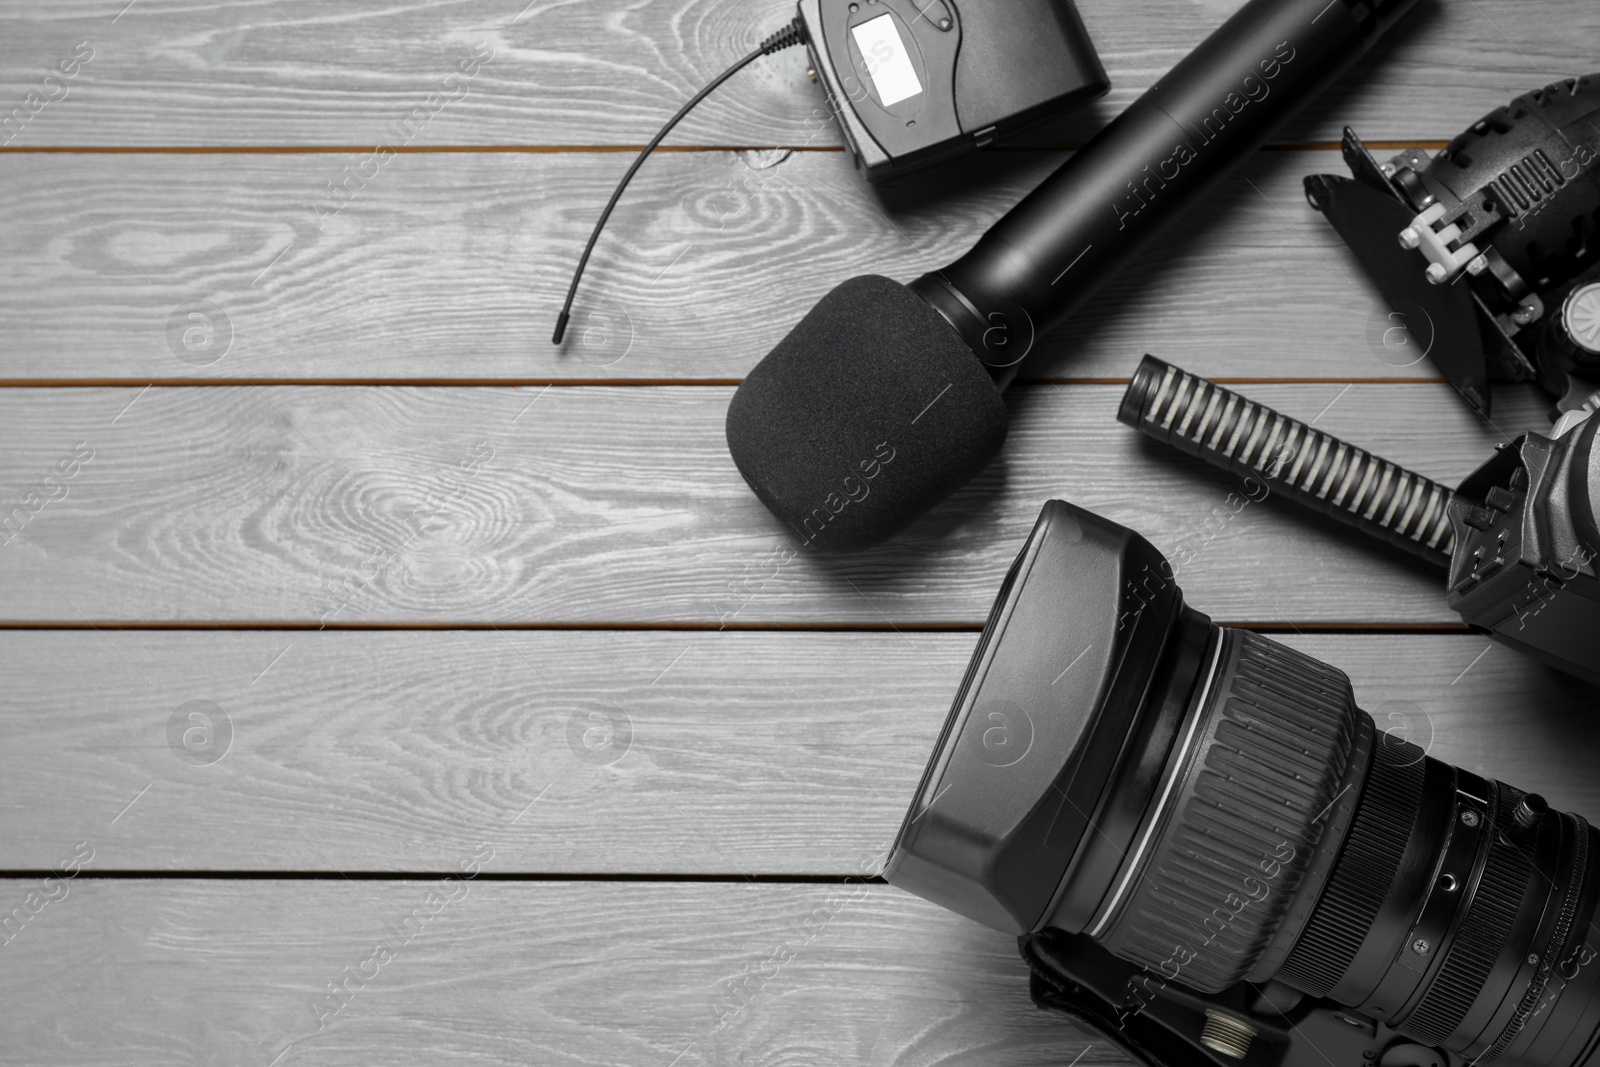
<point>916,81</point>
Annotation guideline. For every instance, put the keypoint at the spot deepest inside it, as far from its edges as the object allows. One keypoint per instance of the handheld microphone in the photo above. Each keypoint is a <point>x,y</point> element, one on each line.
<point>886,398</point>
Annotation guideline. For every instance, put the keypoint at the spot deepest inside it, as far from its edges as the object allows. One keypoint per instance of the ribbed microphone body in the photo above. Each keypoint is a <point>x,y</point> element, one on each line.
<point>886,398</point>
<point>1332,477</point>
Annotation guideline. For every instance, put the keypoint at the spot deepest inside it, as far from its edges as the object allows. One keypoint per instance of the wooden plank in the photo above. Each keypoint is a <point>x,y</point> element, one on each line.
<point>731,753</point>
<point>509,974</point>
<point>453,267</point>
<point>342,73</point>
<point>492,506</point>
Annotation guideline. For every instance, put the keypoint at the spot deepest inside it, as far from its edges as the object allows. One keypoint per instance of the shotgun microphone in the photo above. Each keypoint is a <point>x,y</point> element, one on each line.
<point>886,397</point>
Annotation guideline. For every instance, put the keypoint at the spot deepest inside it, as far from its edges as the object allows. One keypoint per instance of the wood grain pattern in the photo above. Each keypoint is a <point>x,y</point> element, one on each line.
<point>730,754</point>
<point>360,505</point>
<point>409,751</point>
<point>315,72</point>
<point>453,267</point>
<point>511,975</point>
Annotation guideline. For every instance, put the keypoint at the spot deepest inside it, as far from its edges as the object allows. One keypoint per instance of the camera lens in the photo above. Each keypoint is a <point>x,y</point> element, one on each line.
<point>1213,806</point>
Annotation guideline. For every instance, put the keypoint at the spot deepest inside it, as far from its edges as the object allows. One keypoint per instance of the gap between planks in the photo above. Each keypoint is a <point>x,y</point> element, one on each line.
<point>1378,629</point>
<point>164,874</point>
<point>619,383</point>
<point>280,150</point>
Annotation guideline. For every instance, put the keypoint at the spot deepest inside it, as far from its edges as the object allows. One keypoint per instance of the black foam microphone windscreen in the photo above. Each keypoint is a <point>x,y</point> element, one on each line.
<point>885,398</point>
<point>867,414</point>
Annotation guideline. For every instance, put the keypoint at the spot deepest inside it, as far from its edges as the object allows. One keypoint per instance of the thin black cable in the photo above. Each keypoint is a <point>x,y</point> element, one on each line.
<point>787,37</point>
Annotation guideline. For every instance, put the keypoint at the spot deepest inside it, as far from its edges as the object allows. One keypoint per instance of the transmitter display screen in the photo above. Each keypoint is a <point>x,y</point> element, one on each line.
<point>888,65</point>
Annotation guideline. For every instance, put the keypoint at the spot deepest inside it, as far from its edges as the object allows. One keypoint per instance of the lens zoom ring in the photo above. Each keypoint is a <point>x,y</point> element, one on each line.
<point>1224,868</point>
<point>1365,870</point>
<point>1558,942</point>
<point>1482,935</point>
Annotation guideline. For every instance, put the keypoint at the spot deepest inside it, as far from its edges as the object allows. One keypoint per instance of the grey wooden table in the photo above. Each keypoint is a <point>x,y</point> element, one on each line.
<point>383,685</point>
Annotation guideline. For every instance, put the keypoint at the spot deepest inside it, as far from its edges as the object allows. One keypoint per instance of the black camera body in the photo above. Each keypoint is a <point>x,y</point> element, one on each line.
<point>1527,532</point>
<point>1166,1024</point>
<point>916,81</point>
<point>1489,249</point>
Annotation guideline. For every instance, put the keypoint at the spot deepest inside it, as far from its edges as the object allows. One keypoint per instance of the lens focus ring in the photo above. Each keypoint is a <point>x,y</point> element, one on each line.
<point>1481,937</point>
<point>1205,891</point>
<point>1364,872</point>
<point>1555,948</point>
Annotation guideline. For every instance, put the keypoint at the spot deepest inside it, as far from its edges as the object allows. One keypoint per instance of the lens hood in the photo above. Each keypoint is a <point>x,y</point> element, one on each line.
<point>1016,806</point>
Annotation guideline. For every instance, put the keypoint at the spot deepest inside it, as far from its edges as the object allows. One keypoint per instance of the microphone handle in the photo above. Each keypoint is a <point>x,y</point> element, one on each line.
<point>1046,257</point>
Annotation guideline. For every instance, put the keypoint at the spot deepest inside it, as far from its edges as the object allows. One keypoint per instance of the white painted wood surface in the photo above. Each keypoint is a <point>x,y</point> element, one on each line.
<point>403,650</point>
<point>150,972</point>
<point>453,266</point>
<point>298,72</point>
<point>716,753</point>
<point>490,506</point>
